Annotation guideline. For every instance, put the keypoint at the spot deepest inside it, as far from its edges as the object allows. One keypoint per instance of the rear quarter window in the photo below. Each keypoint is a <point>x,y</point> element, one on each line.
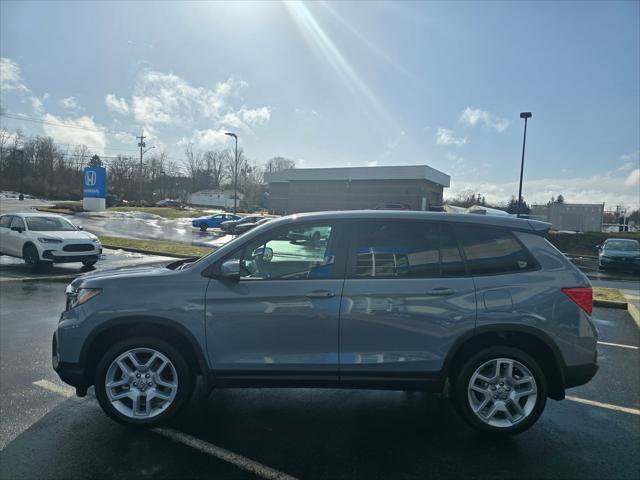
<point>492,251</point>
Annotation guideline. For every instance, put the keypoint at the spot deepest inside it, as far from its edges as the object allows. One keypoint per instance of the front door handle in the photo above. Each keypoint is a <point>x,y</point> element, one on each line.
<point>320,294</point>
<point>441,292</point>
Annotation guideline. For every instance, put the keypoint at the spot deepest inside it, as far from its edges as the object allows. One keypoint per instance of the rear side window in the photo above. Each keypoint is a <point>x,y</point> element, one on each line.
<point>491,251</point>
<point>5,220</point>
<point>386,249</point>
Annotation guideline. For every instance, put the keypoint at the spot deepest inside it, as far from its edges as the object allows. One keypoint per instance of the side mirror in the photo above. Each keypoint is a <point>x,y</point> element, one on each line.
<point>230,270</point>
<point>598,246</point>
<point>79,227</point>
<point>17,229</point>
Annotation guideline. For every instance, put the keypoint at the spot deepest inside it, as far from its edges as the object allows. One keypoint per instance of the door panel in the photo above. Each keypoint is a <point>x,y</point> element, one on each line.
<point>281,318</point>
<point>406,300</point>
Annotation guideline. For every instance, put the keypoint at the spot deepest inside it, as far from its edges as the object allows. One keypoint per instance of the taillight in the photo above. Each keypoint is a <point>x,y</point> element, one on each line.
<point>582,296</point>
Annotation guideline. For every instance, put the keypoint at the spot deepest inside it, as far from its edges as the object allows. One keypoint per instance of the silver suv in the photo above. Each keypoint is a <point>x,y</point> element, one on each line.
<point>481,308</point>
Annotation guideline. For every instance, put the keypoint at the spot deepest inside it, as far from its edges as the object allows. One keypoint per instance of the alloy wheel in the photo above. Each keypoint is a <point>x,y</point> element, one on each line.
<point>141,383</point>
<point>502,392</point>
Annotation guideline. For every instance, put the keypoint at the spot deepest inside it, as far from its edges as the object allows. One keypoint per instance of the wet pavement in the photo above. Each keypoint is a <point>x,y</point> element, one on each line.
<point>47,433</point>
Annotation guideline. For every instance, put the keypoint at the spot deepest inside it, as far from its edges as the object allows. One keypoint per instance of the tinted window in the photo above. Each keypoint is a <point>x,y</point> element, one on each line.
<point>493,250</point>
<point>386,249</point>
<point>49,224</point>
<point>290,253</point>
<point>5,220</point>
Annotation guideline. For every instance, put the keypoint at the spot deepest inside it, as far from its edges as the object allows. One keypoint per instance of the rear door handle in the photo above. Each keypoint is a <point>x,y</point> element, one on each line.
<point>441,291</point>
<point>320,294</point>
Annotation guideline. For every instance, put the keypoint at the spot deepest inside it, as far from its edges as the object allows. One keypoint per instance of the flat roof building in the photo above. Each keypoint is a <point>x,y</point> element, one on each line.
<point>577,217</point>
<point>353,188</point>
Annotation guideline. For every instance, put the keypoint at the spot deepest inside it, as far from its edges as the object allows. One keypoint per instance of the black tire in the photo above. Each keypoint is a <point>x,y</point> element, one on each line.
<point>185,379</point>
<point>31,258</point>
<point>203,228</point>
<point>89,263</point>
<point>461,383</point>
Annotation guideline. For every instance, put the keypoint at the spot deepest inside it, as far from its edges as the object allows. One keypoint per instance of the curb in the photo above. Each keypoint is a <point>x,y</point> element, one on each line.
<point>635,314</point>
<point>148,252</point>
<point>611,304</point>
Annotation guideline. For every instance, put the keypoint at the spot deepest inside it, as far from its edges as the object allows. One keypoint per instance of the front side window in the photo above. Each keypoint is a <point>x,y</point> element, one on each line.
<point>17,222</point>
<point>385,249</point>
<point>490,250</point>
<point>49,224</point>
<point>291,253</point>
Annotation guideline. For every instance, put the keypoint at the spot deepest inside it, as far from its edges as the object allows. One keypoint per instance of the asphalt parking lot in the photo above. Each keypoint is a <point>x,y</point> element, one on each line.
<point>46,432</point>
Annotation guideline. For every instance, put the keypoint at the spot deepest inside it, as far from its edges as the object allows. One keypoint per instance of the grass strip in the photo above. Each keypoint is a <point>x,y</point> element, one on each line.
<point>158,247</point>
<point>164,212</point>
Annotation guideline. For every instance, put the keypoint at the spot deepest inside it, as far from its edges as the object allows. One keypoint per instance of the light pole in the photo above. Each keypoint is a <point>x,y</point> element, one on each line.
<point>162,174</point>
<point>524,115</point>
<point>235,174</point>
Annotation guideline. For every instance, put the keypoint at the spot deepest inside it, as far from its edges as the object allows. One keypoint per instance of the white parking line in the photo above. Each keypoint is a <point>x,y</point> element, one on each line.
<point>238,460</point>
<point>618,345</point>
<point>55,388</point>
<point>608,406</point>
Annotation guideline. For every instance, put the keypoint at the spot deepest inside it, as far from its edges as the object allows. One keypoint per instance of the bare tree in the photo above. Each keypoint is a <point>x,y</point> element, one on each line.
<point>277,164</point>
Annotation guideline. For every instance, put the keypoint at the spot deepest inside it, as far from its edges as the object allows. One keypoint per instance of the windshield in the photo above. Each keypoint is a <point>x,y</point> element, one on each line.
<point>49,224</point>
<point>623,245</point>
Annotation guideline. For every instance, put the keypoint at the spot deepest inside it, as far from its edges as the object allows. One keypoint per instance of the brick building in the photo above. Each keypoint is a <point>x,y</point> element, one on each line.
<point>317,189</point>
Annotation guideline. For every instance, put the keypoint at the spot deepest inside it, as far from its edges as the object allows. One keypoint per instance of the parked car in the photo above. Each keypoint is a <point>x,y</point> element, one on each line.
<point>620,253</point>
<point>245,227</point>
<point>393,206</point>
<point>169,203</point>
<point>43,239</point>
<point>484,308</point>
<point>230,225</point>
<point>213,221</point>
<point>313,234</point>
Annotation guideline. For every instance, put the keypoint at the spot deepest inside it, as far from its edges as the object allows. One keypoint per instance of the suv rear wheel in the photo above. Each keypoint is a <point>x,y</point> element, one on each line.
<point>142,381</point>
<point>500,390</point>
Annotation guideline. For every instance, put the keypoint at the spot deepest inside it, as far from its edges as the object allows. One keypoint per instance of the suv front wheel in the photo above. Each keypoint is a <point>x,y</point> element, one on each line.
<point>142,381</point>
<point>500,390</point>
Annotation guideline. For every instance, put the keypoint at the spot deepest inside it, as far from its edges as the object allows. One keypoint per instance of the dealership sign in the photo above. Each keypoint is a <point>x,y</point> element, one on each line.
<point>95,182</point>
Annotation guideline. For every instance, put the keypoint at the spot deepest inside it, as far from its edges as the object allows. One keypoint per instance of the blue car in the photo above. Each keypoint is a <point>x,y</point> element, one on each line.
<point>213,221</point>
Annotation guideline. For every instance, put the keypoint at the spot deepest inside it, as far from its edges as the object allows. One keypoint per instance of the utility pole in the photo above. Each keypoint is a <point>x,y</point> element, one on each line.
<point>141,144</point>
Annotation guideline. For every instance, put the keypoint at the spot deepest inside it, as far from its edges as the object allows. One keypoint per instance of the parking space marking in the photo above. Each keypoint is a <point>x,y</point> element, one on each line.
<point>238,460</point>
<point>618,345</point>
<point>52,387</point>
<point>608,406</point>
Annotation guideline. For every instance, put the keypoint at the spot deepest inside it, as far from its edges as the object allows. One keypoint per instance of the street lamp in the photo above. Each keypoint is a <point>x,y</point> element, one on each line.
<point>235,173</point>
<point>524,115</point>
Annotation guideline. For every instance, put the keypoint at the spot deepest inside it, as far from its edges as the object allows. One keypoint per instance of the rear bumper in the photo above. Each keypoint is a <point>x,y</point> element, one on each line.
<point>579,375</point>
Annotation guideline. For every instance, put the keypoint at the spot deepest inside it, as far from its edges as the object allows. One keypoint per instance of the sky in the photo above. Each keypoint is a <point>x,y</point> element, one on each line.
<point>344,84</point>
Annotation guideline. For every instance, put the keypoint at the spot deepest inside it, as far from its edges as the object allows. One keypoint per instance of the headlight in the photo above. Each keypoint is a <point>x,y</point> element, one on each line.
<point>95,240</point>
<point>49,240</point>
<point>82,295</point>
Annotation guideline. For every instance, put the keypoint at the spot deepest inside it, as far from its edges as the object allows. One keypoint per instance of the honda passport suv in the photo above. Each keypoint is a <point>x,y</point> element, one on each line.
<point>481,308</point>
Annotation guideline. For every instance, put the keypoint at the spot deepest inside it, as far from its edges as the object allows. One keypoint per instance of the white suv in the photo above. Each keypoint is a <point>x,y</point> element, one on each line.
<point>43,239</point>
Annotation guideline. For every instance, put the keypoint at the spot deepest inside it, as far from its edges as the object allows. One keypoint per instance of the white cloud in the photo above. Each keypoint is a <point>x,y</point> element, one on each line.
<point>633,180</point>
<point>115,104</point>
<point>209,138</point>
<point>474,116</point>
<point>610,187</point>
<point>444,136</point>
<point>256,116</point>
<point>76,131</point>
<point>307,111</point>
<point>37,105</point>
<point>124,138</point>
<point>372,164</point>
<point>10,78</point>
<point>69,103</point>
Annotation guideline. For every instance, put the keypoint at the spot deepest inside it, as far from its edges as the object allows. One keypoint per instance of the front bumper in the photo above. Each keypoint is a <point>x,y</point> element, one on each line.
<point>60,257</point>
<point>622,263</point>
<point>70,373</point>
